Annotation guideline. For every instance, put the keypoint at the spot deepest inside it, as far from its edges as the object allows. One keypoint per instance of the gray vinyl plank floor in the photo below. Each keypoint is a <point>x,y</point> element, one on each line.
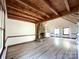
<point>48,48</point>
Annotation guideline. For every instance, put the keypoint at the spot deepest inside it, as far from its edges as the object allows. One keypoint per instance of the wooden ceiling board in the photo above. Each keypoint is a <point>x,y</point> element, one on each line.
<point>25,11</point>
<point>39,4</point>
<point>15,17</point>
<point>73,3</point>
<point>58,4</point>
<point>25,6</point>
<point>27,15</point>
<point>41,10</point>
<point>21,14</point>
<point>70,18</point>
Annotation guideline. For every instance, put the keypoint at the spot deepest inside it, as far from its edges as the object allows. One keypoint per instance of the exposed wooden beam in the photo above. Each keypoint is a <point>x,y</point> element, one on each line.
<point>67,5</point>
<point>15,17</point>
<point>26,12</point>
<point>74,15</point>
<point>69,20</point>
<point>23,15</point>
<point>24,4</point>
<point>63,13</point>
<point>50,7</point>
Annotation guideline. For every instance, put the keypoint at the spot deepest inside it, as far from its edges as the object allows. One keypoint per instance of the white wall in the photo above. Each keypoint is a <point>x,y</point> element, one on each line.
<point>15,27</point>
<point>61,23</point>
<point>78,39</point>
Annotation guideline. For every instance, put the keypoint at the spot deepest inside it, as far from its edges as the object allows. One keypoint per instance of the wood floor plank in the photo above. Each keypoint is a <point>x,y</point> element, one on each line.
<point>49,48</point>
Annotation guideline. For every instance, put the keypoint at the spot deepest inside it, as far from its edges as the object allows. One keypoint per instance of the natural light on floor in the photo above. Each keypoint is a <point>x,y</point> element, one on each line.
<point>65,43</point>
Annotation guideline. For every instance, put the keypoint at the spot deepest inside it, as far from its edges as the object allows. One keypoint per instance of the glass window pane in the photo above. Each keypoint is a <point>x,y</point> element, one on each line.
<point>56,31</point>
<point>1,40</point>
<point>66,30</point>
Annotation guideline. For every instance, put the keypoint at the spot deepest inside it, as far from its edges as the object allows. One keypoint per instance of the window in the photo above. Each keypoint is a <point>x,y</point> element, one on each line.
<point>1,40</point>
<point>66,30</point>
<point>56,31</point>
<point>1,29</point>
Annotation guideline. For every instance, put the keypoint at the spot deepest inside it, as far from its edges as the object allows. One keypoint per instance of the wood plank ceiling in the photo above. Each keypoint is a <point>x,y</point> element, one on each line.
<point>73,17</point>
<point>40,10</point>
